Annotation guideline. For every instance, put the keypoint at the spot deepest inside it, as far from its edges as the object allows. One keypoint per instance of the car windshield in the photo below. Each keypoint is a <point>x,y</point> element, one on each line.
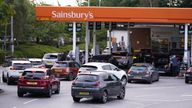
<point>138,68</point>
<point>87,78</point>
<point>33,75</point>
<point>88,68</point>
<point>21,66</point>
<point>49,56</point>
<point>60,64</point>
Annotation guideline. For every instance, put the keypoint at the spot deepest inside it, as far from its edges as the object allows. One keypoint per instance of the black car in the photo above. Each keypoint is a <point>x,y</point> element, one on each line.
<point>142,72</point>
<point>97,85</point>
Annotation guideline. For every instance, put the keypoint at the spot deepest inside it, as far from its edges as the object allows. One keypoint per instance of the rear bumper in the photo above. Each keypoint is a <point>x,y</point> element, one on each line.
<point>90,92</point>
<point>28,89</point>
<point>14,78</point>
<point>139,78</point>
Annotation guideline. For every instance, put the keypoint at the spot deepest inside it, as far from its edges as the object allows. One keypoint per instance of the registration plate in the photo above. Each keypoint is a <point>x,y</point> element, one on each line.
<point>137,77</point>
<point>83,93</point>
<point>32,83</point>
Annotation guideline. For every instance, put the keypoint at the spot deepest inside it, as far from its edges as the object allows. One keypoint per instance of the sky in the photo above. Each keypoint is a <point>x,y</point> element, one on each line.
<point>62,2</point>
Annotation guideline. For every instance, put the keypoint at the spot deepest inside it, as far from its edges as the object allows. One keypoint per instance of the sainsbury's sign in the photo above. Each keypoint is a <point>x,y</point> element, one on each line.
<point>72,14</point>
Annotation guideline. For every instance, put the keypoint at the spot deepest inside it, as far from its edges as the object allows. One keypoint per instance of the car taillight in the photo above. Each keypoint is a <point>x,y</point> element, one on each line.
<point>74,82</point>
<point>45,77</point>
<point>189,70</point>
<point>21,80</point>
<point>97,84</point>
<point>129,71</point>
<point>43,83</point>
<point>12,68</point>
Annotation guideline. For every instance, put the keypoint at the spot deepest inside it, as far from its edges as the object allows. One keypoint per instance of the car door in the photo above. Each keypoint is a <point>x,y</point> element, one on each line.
<point>117,72</point>
<point>116,84</point>
<point>109,84</point>
<point>52,79</point>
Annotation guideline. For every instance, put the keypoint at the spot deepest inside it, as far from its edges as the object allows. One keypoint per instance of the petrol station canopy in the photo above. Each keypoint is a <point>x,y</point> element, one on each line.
<point>115,14</point>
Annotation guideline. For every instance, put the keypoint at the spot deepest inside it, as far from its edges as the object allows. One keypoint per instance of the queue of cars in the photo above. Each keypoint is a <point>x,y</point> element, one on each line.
<point>95,80</point>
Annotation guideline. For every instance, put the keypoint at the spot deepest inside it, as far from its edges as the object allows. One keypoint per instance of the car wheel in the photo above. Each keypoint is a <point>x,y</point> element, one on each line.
<point>124,81</point>
<point>49,92</point>
<point>104,97</point>
<point>150,81</point>
<point>20,94</point>
<point>76,99</point>
<point>58,89</point>
<point>129,81</point>
<point>70,76</point>
<point>121,94</point>
<point>8,80</point>
<point>186,81</point>
<point>3,78</point>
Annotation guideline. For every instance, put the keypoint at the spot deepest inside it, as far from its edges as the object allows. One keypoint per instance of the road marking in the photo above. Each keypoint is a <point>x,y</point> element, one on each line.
<point>14,107</point>
<point>30,101</point>
<point>186,95</point>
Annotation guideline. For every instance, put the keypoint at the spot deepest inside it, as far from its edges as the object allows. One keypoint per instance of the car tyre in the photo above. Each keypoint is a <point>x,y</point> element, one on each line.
<point>121,94</point>
<point>104,97</point>
<point>58,89</point>
<point>124,81</point>
<point>186,81</point>
<point>49,92</point>
<point>20,94</point>
<point>3,78</point>
<point>150,81</point>
<point>76,99</point>
<point>8,81</point>
<point>70,76</point>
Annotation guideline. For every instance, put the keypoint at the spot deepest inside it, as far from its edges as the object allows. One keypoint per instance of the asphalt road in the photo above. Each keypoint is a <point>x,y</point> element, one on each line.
<point>169,92</point>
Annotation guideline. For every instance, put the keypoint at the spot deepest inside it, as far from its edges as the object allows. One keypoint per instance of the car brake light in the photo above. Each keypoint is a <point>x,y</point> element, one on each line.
<point>21,79</point>
<point>12,68</point>
<point>46,77</point>
<point>129,71</point>
<point>97,84</point>
<point>74,83</point>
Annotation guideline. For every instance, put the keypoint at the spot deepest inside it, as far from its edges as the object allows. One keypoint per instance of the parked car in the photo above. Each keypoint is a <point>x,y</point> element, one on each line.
<point>142,72</point>
<point>50,58</point>
<point>38,80</point>
<point>13,69</point>
<point>97,85</point>
<point>107,67</point>
<point>188,75</point>
<point>37,62</point>
<point>66,69</point>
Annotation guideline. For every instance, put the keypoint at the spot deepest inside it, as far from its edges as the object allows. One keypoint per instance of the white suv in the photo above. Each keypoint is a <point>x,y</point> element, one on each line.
<point>106,67</point>
<point>13,69</point>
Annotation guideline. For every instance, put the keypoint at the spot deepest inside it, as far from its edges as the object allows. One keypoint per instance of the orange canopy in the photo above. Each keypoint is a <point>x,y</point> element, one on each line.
<point>115,14</point>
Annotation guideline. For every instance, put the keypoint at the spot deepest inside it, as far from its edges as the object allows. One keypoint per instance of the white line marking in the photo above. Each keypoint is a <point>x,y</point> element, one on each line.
<point>186,95</point>
<point>30,101</point>
<point>14,107</point>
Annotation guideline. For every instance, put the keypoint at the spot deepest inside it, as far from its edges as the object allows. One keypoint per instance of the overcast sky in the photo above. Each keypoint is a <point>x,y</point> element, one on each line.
<point>62,2</point>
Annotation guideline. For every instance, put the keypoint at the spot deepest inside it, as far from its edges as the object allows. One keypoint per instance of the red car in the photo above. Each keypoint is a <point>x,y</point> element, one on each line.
<point>66,69</point>
<point>38,80</point>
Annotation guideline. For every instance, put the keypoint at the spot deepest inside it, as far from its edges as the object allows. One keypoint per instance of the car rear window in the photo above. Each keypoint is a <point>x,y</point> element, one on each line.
<point>138,68</point>
<point>60,64</point>
<point>36,62</point>
<point>50,56</point>
<point>33,75</point>
<point>87,78</point>
<point>21,66</point>
<point>88,68</point>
